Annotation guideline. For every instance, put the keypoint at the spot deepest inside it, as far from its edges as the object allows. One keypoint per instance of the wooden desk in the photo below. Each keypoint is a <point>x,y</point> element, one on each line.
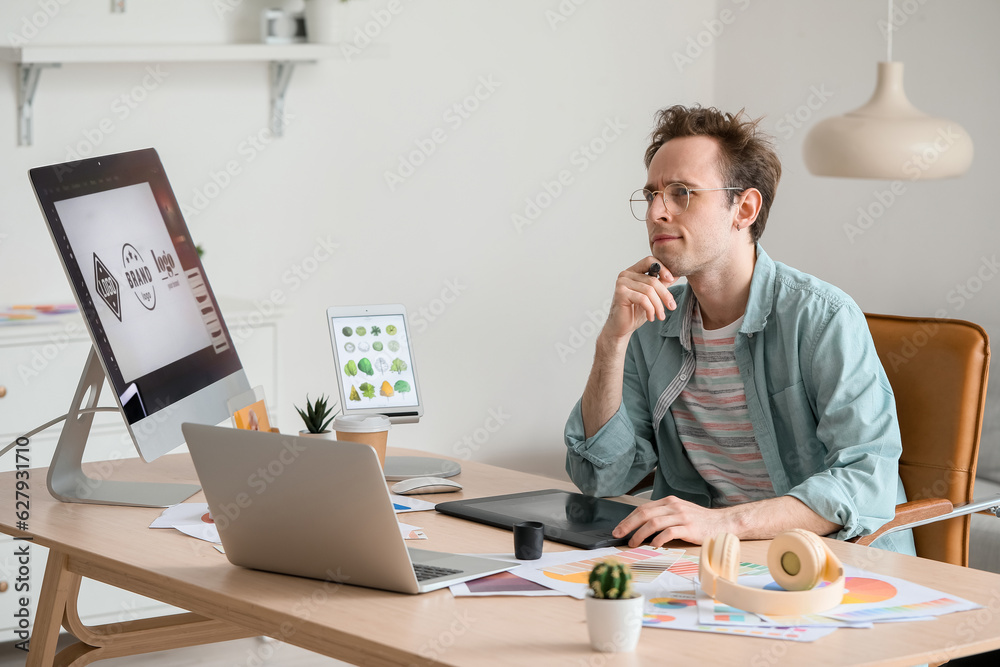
<point>114,545</point>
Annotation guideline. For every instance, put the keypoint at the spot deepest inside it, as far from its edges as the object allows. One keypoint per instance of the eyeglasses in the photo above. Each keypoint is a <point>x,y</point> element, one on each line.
<point>676,198</point>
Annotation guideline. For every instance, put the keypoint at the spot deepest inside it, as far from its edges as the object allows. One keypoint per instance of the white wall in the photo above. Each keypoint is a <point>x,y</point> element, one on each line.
<point>934,248</point>
<point>520,292</point>
<point>517,338</point>
<point>920,246</point>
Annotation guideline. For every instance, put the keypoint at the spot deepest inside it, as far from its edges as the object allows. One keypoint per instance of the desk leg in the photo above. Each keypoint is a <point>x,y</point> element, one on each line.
<point>56,586</point>
<point>58,601</point>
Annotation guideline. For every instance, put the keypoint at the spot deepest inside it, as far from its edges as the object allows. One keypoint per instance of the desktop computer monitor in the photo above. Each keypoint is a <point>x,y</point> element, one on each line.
<point>158,334</point>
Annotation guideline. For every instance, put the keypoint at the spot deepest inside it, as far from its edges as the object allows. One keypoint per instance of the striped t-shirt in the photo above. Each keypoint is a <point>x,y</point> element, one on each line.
<point>713,422</point>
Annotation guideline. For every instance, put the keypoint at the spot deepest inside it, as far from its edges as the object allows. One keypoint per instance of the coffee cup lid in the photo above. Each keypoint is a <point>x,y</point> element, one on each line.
<point>361,423</point>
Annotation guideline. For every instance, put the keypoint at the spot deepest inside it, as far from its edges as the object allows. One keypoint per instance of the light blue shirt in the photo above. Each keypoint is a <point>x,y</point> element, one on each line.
<point>819,401</point>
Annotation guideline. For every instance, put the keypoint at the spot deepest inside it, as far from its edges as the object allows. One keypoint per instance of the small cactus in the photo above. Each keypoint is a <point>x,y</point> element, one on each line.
<point>611,579</point>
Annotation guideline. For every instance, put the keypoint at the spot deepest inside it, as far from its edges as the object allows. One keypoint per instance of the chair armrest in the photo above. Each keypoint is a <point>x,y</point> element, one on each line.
<point>921,512</point>
<point>908,513</point>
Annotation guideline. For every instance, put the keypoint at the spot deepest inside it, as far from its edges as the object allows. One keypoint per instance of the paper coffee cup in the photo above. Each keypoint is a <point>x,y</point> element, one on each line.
<point>371,430</point>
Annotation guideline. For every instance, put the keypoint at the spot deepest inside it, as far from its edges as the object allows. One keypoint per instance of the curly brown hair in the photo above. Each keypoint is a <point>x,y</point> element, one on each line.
<point>748,158</point>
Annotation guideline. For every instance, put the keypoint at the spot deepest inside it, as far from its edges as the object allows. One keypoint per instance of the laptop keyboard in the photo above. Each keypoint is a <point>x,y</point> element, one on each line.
<point>425,572</point>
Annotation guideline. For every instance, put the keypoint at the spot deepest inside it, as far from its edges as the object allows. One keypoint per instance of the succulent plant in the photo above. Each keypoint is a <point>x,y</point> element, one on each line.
<point>315,415</point>
<point>611,579</point>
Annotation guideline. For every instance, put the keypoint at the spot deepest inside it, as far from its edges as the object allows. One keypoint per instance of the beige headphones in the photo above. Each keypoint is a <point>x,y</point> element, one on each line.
<point>798,560</point>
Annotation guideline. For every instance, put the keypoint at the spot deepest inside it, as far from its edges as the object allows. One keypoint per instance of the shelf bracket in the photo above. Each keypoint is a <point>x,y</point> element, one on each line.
<point>281,76</point>
<point>27,79</point>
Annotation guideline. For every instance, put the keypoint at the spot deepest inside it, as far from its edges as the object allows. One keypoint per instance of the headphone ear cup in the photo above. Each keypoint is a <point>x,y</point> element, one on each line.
<point>797,560</point>
<point>725,556</point>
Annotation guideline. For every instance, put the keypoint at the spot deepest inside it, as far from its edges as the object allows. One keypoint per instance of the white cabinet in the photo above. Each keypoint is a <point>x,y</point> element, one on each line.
<point>40,365</point>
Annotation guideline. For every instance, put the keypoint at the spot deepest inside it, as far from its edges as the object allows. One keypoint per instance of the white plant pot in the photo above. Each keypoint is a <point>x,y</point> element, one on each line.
<point>325,435</point>
<point>331,21</point>
<point>614,625</point>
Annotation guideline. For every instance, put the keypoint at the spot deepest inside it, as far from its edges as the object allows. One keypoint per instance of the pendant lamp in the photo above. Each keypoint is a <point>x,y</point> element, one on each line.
<point>888,137</point>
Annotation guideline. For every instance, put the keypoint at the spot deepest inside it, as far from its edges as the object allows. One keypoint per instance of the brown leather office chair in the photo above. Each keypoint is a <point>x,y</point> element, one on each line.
<point>938,370</point>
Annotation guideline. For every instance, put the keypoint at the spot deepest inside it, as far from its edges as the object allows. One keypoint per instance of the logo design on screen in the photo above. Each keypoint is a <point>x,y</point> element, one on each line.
<point>165,264</point>
<point>107,287</point>
<point>139,277</point>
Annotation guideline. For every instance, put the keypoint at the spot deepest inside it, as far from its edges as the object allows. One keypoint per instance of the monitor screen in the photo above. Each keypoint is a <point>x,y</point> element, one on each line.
<point>140,284</point>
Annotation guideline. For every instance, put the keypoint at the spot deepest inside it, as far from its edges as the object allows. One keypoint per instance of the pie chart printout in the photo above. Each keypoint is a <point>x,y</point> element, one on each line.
<point>860,590</point>
<point>672,603</point>
<point>658,618</point>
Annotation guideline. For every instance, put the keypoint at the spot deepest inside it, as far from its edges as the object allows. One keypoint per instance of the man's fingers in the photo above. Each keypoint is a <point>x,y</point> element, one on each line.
<point>665,295</point>
<point>661,281</point>
<point>671,518</point>
<point>664,280</point>
<point>637,279</point>
<point>644,516</point>
<point>664,525</point>
<point>627,525</point>
<point>640,295</point>
<point>636,520</point>
<point>662,538</point>
<point>644,265</point>
<point>663,274</point>
<point>657,295</point>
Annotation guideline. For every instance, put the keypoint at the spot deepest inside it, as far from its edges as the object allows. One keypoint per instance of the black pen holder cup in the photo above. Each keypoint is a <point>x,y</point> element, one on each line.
<point>528,538</point>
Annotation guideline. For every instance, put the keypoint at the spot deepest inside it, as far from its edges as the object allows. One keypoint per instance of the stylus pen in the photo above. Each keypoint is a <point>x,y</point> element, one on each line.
<point>654,270</point>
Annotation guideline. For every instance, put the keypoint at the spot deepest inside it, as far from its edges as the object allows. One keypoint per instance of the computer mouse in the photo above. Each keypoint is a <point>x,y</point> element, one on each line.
<point>417,485</point>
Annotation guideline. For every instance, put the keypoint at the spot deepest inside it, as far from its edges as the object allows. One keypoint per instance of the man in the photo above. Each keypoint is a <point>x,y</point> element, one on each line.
<point>754,389</point>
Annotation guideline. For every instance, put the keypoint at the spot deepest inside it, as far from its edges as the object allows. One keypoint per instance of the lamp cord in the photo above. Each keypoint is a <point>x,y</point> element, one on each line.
<point>41,428</point>
<point>888,35</point>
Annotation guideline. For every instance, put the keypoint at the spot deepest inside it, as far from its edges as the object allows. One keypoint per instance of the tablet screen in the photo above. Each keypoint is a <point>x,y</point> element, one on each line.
<point>374,362</point>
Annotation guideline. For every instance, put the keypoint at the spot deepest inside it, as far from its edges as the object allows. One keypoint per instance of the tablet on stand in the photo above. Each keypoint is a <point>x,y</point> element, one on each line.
<point>377,375</point>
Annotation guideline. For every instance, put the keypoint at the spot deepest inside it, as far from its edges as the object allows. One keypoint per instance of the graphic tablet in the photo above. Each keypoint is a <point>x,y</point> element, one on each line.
<point>571,518</point>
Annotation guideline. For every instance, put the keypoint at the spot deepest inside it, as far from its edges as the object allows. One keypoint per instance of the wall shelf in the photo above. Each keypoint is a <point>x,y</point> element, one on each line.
<point>282,59</point>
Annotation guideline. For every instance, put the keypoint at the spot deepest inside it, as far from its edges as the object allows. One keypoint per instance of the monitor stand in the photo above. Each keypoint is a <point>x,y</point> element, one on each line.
<point>398,468</point>
<point>69,483</point>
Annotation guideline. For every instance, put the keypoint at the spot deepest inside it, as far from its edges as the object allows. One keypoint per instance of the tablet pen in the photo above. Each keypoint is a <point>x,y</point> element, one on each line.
<point>654,270</point>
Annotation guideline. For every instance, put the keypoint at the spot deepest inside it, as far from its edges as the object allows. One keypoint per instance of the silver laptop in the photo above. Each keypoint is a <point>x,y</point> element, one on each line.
<point>315,508</point>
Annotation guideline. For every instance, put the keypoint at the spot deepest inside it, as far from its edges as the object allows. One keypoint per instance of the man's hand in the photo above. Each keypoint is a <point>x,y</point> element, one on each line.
<point>639,298</point>
<point>671,518</point>
<point>675,519</point>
